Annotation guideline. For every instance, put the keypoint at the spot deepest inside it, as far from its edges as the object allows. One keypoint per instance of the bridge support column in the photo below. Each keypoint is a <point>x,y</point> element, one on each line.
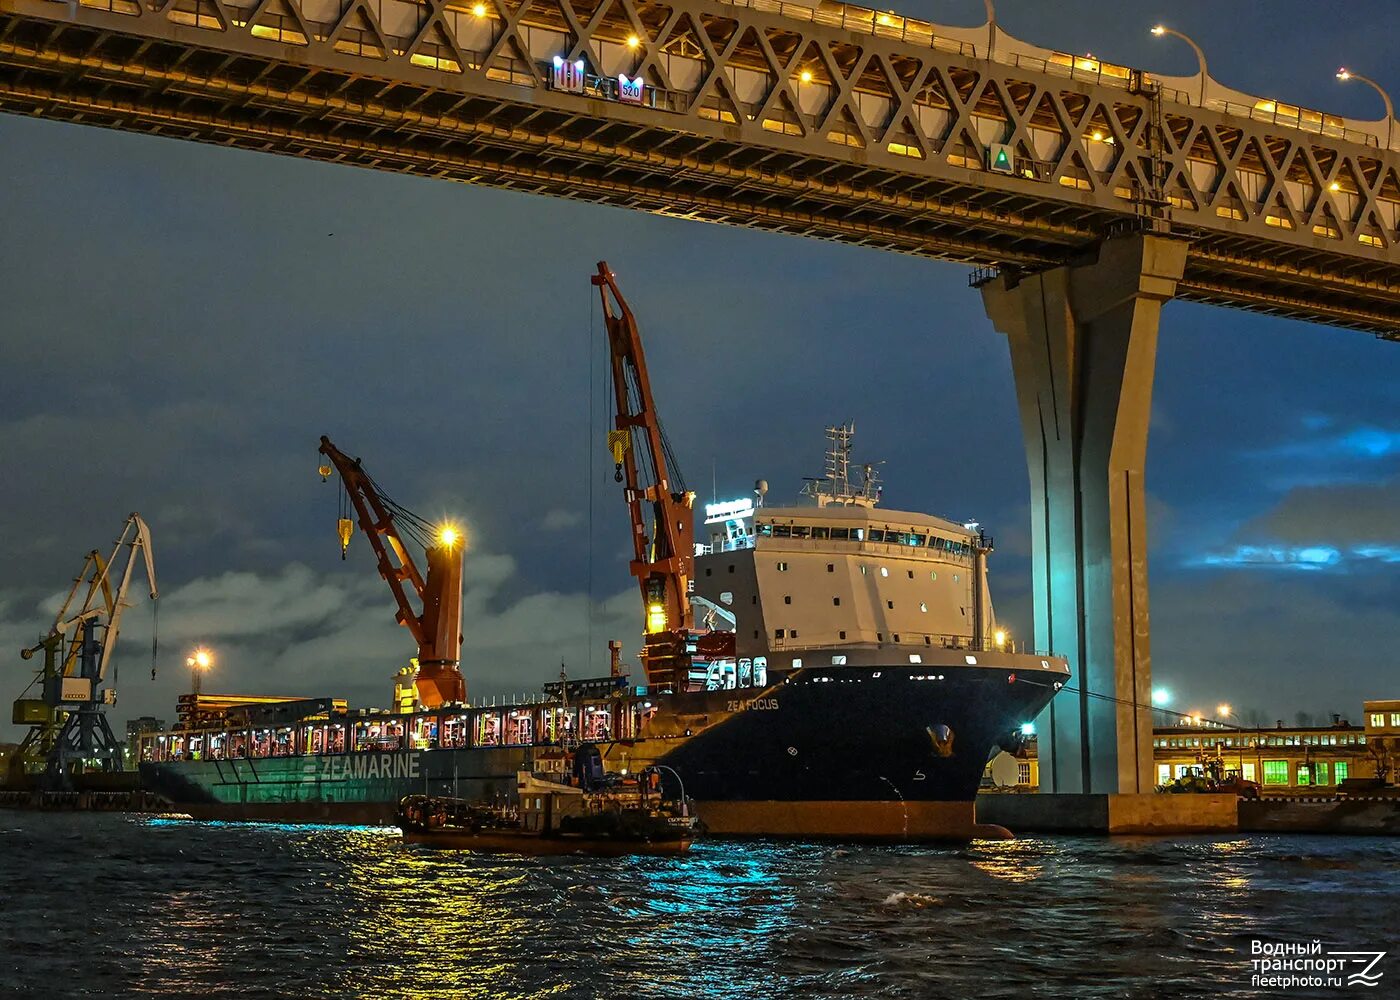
<point>1083,341</point>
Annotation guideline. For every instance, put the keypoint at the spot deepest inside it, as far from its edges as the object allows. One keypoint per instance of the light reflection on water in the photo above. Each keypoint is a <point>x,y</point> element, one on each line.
<point>214,910</point>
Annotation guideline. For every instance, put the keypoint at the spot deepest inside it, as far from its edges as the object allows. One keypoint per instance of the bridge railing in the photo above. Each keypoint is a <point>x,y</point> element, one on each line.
<point>864,20</point>
<point>1303,119</point>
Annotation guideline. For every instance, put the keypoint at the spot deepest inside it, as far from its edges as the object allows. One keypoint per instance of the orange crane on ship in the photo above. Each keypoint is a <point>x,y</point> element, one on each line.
<point>660,506</point>
<point>437,628</point>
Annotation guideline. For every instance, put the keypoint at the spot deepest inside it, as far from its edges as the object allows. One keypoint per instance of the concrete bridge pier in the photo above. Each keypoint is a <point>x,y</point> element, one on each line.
<point>1083,340</point>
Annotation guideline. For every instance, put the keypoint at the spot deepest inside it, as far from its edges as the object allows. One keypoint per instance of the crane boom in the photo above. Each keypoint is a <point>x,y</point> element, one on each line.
<point>437,628</point>
<point>660,506</point>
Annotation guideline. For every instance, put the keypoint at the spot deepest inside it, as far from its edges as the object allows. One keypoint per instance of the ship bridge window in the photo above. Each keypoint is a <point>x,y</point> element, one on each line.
<point>782,531</point>
<point>841,533</point>
<point>765,529</point>
<point>876,535</point>
<point>917,539</point>
<point>821,532</point>
<point>857,534</point>
<point>800,531</point>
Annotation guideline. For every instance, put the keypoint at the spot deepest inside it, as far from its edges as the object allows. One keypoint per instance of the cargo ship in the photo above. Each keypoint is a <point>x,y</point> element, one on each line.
<point>824,669</point>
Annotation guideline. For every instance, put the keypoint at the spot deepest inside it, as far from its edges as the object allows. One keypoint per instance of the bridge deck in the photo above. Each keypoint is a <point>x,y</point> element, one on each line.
<point>826,122</point>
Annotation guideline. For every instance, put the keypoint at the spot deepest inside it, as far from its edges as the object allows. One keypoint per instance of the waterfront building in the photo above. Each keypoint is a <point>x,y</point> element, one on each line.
<point>1291,759</point>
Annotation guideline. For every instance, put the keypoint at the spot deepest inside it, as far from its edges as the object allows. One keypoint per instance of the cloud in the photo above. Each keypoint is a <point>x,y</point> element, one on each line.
<point>560,520</point>
<point>294,631</point>
<point>1319,651</point>
<point>1341,526</point>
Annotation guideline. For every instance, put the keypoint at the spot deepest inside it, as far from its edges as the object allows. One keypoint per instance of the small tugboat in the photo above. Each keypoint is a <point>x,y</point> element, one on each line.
<point>588,811</point>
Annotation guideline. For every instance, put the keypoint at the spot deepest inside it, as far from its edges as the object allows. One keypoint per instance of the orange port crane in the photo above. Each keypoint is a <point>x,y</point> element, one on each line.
<point>660,506</point>
<point>438,627</point>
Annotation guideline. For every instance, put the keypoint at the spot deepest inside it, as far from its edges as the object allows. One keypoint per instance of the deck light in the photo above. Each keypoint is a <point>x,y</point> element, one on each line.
<point>448,536</point>
<point>999,637</point>
<point>1028,729</point>
<point>1223,710</point>
<point>633,41</point>
<point>806,76</point>
<point>479,10</point>
<point>1160,696</point>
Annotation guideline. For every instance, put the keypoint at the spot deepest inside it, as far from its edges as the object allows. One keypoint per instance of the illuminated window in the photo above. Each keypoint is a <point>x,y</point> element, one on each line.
<point>782,567</point>
<point>1275,772</point>
<point>1305,774</point>
<point>797,664</point>
<point>1377,719</point>
<point>1395,718</point>
<point>838,661</point>
<point>923,606</point>
<point>1164,773</point>
<point>1248,772</point>
<point>1023,773</point>
<point>1370,240</point>
<point>1319,773</point>
<point>884,572</point>
<point>915,658</point>
<point>1340,770</point>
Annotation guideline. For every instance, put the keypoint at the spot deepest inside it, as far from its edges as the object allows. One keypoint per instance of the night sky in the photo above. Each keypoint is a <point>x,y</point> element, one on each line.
<point>181,323</point>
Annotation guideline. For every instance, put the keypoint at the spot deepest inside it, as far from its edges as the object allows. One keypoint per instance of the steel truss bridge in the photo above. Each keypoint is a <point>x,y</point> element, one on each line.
<point>830,121</point>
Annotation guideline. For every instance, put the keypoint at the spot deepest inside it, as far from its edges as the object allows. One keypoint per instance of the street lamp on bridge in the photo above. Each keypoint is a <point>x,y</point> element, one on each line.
<point>1162,29</point>
<point>1345,74</point>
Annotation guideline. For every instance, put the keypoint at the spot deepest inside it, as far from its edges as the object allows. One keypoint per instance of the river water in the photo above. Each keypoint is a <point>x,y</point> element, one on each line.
<point>122,906</point>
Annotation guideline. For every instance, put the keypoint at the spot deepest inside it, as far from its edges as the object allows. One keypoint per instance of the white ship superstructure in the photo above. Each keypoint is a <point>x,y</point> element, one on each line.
<point>841,579</point>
